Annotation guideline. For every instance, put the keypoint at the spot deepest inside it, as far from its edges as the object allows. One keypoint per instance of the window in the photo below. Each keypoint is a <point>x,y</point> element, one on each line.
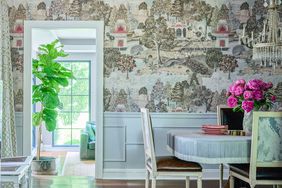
<point>75,105</point>
<point>178,32</point>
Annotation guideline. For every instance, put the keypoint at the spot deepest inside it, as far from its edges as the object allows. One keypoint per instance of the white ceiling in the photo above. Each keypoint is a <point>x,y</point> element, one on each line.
<point>74,40</point>
<point>75,33</point>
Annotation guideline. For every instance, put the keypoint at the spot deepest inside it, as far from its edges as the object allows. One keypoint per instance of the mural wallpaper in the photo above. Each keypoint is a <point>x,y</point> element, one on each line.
<point>167,55</point>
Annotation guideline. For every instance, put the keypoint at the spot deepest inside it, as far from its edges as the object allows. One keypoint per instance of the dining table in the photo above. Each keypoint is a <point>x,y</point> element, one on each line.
<point>203,148</point>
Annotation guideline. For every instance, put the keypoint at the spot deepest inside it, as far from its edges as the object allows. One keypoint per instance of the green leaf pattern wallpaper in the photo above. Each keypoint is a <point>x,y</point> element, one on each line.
<point>166,55</point>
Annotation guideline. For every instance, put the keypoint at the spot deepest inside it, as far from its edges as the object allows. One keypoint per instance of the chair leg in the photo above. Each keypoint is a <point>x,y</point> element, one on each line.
<point>231,182</point>
<point>187,182</point>
<point>154,182</point>
<point>199,182</point>
<point>147,179</point>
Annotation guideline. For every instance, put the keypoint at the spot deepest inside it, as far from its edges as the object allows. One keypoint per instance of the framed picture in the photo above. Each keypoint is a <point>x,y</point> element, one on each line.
<point>226,116</point>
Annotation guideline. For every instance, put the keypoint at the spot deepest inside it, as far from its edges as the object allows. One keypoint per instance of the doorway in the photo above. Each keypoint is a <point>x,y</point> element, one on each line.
<point>83,42</point>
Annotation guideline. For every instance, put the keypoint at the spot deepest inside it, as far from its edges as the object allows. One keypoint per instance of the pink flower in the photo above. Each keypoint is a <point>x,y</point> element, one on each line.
<point>240,82</point>
<point>248,95</point>
<point>232,89</point>
<point>239,90</point>
<point>248,105</point>
<point>273,98</point>
<point>255,84</point>
<point>268,85</point>
<point>232,101</point>
<point>258,95</point>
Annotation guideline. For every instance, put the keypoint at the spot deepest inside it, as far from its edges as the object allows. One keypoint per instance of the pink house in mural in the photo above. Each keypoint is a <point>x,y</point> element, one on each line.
<point>222,34</point>
<point>17,34</point>
<point>120,35</point>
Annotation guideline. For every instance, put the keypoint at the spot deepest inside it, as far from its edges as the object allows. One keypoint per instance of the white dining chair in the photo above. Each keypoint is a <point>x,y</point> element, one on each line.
<point>164,166</point>
<point>265,166</point>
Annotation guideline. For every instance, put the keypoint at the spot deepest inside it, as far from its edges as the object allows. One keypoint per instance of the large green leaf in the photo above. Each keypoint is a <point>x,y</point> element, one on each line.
<point>50,123</point>
<point>37,118</point>
<point>50,100</point>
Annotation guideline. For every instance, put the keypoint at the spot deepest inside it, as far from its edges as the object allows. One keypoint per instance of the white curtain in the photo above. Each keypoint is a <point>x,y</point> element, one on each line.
<point>8,143</point>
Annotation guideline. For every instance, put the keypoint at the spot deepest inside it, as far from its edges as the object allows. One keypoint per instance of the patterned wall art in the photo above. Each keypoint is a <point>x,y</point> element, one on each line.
<point>167,55</point>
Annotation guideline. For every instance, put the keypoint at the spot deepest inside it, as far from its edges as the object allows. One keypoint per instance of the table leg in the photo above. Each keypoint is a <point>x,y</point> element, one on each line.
<point>221,175</point>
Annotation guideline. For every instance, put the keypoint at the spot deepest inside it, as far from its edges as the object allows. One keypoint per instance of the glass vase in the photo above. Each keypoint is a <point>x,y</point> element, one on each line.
<point>248,123</point>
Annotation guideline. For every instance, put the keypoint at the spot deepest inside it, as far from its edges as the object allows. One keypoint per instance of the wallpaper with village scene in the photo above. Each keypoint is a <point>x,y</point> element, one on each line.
<point>167,55</point>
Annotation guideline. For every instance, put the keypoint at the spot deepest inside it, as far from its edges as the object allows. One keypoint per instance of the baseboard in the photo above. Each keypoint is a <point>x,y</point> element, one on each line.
<point>139,174</point>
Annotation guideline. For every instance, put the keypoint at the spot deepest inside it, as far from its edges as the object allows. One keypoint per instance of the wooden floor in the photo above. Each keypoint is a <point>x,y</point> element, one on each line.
<point>87,182</point>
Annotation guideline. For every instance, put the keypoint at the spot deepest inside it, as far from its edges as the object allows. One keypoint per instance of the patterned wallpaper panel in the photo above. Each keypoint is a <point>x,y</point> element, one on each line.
<point>167,55</point>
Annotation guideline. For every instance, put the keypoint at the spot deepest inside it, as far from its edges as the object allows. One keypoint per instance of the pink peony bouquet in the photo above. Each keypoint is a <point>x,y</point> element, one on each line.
<point>254,94</point>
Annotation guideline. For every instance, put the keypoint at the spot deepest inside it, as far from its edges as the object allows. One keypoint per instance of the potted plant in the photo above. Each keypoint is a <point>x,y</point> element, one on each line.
<point>52,77</point>
<point>254,95</point>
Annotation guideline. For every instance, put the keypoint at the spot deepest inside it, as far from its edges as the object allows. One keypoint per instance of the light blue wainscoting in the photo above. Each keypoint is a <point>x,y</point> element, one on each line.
<point>123,141</point>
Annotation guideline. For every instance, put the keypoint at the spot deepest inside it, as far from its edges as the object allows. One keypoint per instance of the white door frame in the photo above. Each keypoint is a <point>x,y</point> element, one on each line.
<point>99,84</point>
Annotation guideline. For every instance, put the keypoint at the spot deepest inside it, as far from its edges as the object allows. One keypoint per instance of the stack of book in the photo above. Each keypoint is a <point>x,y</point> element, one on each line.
<point>215,129</point>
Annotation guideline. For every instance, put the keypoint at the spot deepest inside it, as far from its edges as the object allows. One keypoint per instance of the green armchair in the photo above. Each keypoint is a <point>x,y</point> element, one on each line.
<point>87,142</point>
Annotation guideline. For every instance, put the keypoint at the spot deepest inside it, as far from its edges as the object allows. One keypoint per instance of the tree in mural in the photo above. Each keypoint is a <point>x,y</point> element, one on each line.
<point>223,13</point>
<point>234,22</point>
<point>228,64</point>
<point>160,7</point>
<point>143,91</point>
<point>203,96</point>
<point>177,93</point>
<point>122,13</point>
<point>213,56</point>
<point>57,8</point>
<point>100,11</point>
<point>214,18</point>
<point>161,107</point>
<point>126,64</point>
<point>259,9</point>
<point>203,11</point>
<point>75,9</point>
<point>121,104</point>
<point>107,99</point>
<point>176,9</point>
<point>253,27</point>
<point>157,34</point>
<point>218,99</point>
<point>167,92</point>
<point>21,12</point>
<point>158,91</point>
<point>112,18</point>
<point>151,106</point>
<point>197,68</point>
<point>111,57</point>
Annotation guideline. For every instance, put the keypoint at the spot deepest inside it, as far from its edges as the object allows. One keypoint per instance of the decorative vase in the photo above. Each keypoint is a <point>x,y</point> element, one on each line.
<point>248,122</point>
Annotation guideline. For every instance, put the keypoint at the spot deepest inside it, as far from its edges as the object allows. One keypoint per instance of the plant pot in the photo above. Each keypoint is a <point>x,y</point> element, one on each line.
<point>44,166</point>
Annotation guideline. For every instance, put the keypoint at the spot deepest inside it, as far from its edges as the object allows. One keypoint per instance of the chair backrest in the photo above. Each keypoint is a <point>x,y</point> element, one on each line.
<point>148,137</point>
<point>266,149</point>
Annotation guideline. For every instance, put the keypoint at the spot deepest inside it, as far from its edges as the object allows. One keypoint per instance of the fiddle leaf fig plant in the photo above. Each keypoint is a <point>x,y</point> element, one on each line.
<point>52,77</point>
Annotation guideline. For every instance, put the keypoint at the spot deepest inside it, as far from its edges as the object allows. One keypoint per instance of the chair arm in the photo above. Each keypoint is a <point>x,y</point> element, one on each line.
<point>83,144</point>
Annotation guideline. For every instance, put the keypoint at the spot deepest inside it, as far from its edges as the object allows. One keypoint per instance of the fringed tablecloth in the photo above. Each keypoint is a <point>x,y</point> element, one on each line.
<point>209,149</point>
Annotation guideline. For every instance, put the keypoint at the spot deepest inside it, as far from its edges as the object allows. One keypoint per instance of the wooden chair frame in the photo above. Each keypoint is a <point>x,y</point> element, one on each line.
<point>254,163</point>
<point>150,157</point>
